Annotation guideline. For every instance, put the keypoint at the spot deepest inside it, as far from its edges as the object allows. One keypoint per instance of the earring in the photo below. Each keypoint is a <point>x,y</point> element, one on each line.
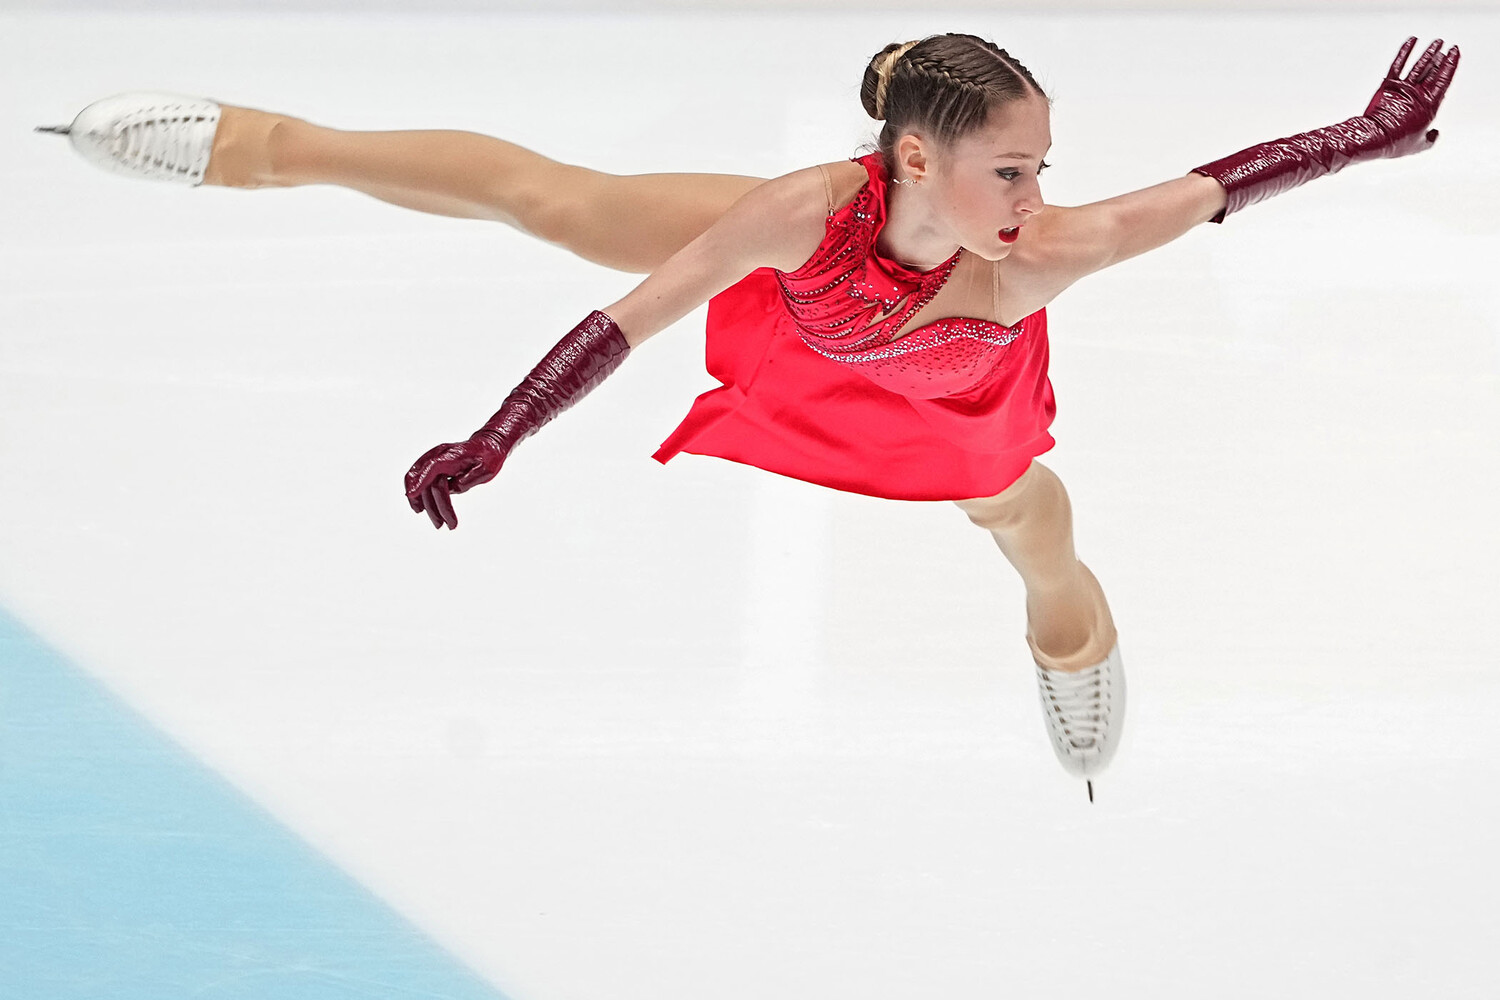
<point>906,180</point>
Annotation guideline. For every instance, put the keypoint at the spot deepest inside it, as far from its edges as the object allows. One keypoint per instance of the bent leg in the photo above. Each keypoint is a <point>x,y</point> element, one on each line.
<point>631,223</point>
<point>1068,622</point>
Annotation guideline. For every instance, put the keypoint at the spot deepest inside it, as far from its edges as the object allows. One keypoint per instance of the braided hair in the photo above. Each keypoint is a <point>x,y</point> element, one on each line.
<point>943,85</point>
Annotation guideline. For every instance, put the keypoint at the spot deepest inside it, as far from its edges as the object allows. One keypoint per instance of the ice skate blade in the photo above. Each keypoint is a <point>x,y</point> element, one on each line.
<point>54,129</point>
<point>1091,791</point>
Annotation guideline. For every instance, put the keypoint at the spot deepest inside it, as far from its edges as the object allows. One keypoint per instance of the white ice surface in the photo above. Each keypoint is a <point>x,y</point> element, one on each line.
<point>656,733</point>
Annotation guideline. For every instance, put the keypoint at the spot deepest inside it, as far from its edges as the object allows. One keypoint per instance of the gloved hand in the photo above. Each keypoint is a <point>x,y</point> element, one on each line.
<point>448,469</point>
<point>1403,109</point>
<point>570,371</point>
<point>1395,123</point>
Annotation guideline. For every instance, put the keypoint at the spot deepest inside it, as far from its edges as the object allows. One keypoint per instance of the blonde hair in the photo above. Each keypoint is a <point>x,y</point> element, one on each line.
<point>884,74</point>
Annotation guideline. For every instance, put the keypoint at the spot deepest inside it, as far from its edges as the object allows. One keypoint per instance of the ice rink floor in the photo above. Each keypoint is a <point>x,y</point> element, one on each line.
<point>638,732</point>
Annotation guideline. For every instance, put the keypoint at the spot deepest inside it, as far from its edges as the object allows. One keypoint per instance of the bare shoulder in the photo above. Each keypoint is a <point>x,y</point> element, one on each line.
<point>788,214</point>
<point>847,178</point>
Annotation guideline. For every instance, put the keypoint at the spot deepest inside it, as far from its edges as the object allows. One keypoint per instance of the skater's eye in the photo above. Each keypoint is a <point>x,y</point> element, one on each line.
<point>1010,173</point>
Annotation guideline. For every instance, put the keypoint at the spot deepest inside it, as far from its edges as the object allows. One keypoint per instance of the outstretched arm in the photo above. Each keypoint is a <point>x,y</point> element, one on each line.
<point>776,224</point>
<point>1072,242</point>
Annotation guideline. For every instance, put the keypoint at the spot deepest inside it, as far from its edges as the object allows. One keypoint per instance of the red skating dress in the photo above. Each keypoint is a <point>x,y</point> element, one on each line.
<point>815,387</point>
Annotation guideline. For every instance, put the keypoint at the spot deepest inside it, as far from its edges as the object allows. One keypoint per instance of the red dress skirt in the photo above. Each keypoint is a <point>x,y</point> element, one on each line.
<point>952,410</point>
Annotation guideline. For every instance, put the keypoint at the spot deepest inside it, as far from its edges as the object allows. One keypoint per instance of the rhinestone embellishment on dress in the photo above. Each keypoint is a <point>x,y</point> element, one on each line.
<point>850,304</point>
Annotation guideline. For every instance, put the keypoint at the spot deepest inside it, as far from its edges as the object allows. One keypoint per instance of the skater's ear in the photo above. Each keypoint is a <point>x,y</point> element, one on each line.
<point>914,154</point>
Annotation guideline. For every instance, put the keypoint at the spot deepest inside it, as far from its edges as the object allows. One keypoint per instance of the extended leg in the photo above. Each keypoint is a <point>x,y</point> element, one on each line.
<point>631,223</point>
<point>1069,626</point>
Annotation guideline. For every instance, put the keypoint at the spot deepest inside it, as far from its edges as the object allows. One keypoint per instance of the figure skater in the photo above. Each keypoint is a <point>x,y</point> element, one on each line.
<point>878,325</point>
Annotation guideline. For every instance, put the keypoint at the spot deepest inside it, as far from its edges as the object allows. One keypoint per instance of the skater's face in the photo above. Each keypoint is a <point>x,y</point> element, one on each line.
<point>987,180</point>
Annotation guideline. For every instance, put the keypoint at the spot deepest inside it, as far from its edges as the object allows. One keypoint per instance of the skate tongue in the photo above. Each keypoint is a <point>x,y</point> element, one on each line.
<point>54,129</point>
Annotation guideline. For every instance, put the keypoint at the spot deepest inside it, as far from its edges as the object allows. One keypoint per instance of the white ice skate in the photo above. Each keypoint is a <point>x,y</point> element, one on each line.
<point>154,136</point>
<point>1085,712</point>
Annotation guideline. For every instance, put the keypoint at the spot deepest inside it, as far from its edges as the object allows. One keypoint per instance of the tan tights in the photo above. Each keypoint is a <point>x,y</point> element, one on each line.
<point>1068,624</point>
<point>634,223</point>
<point>629,223</point>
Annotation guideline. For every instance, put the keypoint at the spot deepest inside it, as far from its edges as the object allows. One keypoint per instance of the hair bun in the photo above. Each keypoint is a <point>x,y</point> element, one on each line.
<point>878,77</point>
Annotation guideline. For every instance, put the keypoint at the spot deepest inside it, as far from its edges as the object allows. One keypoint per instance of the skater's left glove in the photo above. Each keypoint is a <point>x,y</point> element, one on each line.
<point>1394,124</point>
<point>570,371</point>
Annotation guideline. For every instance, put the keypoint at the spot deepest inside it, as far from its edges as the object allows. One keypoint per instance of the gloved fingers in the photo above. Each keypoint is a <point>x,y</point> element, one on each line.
<point>1443,75</point>
<point>443,471</point>
<point>1424,63</point>
<point>1394,73</point>
<point>1432,137</point>
<point>429,507</point>
<point>422,470</point>
<point>444,503</point>
<point>412,482</point>
<point>419,481</point>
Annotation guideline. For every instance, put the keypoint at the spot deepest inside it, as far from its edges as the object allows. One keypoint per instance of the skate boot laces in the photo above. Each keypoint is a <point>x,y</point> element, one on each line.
<point>164,143</point>
<point>1084,711</point>
<point>155,136</point>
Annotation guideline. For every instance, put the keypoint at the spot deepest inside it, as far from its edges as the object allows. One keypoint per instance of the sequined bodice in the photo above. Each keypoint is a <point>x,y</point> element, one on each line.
<point>849,303</point>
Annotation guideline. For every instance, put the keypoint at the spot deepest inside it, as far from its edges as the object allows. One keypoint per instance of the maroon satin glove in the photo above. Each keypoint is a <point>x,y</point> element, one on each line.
<point>1394,124</point>
<point>570,371</point>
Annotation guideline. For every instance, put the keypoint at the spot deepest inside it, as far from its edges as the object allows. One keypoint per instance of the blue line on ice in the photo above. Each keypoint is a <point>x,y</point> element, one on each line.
<point>129,870</point>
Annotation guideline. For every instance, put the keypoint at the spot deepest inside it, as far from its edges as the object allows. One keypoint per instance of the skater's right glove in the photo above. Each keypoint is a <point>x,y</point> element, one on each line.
<point>570,371</point>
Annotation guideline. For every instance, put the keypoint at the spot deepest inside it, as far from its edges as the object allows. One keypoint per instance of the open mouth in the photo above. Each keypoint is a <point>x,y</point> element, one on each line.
<point>1009,235</point>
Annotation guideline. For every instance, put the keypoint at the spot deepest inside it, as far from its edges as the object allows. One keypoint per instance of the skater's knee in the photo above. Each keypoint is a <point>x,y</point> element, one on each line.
<point>551,202</point>
<point>987,513</point>
<point>1037,494</point>
<point>552,216</point>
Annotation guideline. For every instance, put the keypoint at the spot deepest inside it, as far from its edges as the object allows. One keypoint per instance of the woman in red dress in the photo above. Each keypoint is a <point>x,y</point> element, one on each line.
<point>877,325</point>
